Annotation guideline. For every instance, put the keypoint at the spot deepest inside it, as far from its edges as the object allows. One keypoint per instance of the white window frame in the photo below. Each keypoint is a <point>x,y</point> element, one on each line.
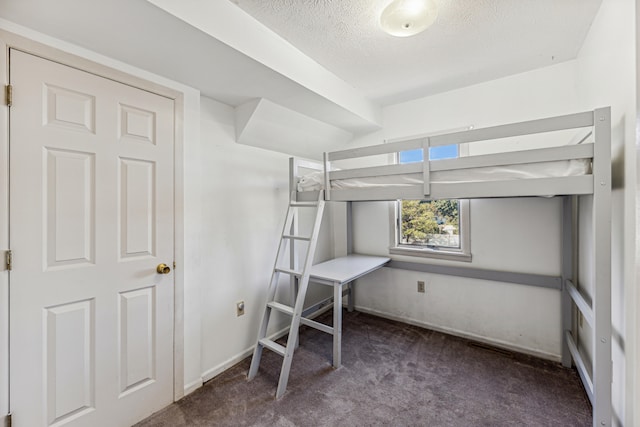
<point>437,252</point>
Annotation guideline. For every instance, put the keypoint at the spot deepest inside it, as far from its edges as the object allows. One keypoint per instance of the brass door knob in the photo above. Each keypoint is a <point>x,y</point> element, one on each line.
<point>163,269</point>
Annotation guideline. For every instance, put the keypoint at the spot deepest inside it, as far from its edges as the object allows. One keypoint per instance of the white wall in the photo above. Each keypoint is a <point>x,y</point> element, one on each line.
<point>230,205</point>
<point>187,200</point>
<point>521,235</point>
<point>510,315</point>
<point>244,193</point>
<point>229,248</point>
<point>606,75</point>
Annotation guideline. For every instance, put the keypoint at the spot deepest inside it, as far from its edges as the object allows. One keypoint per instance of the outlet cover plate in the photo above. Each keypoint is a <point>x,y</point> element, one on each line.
<point>240,308</point>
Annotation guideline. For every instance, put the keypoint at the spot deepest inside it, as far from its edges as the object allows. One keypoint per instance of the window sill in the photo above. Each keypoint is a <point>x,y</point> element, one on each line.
<point>431,253</point>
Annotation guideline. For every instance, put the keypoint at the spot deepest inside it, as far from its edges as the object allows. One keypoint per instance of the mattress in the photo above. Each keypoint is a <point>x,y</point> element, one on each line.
<point>561,168</point>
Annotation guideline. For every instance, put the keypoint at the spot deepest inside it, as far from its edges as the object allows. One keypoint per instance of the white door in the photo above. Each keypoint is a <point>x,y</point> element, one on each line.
<point>91,216</point>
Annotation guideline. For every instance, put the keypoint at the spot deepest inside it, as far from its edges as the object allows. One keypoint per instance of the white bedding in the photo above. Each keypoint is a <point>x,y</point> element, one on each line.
<point>315,180</point>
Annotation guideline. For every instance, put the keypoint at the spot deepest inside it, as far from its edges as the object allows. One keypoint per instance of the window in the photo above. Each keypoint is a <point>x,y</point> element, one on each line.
<point>432,228</point>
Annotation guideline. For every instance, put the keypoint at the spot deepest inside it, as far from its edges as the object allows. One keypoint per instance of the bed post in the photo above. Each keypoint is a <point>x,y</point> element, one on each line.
<point>602,360</point>
<point>349,208</point>
<point>327,183</point>
<point>351,289</point>
<point>568,263</point>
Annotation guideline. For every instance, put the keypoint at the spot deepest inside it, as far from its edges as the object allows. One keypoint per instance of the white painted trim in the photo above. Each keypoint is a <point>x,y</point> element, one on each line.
<point>4,233</point>
<point>463,254</point>
<point>632,415</point>
<point>40,45</point>
<point>470,336</point>
<point>179,250</point>
<point>427,252</point>
<point>193,386</point>
<point>211,373</point>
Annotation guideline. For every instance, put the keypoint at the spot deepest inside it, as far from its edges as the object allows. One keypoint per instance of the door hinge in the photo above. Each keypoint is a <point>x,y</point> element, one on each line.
<point>9,259</point>
<point>8,94</point>
<point>7,420</point>
<point>174,265</point>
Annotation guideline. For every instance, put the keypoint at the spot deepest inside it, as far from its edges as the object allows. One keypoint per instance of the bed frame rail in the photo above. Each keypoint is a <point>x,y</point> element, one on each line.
<point>571,121</point>
<point>434,190</point>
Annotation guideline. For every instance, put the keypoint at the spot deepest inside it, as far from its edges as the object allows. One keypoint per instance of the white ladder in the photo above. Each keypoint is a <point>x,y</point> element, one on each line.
<point>289,235</point>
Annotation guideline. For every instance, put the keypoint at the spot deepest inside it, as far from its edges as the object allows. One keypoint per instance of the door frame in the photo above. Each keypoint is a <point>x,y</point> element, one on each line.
<point>9,40</point>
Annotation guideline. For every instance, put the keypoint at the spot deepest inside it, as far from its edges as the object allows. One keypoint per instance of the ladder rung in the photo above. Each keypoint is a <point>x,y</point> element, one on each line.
<point>290,236</point>
<point>273,346</point>
<point>287,271</point>
<point>304,204</point>
<point>317,325</point>
<point>281,307</point>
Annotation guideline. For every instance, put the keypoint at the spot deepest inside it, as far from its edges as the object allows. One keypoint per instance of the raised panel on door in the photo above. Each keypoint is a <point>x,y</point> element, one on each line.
<point>69,208</point>
<point>69,109</point>
<point>70,361</point>
<point>136,342</point>
<point>137,219</point>
<point>137,124</point>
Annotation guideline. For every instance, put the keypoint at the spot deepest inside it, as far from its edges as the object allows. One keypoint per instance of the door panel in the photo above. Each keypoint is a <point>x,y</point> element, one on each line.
<point>69,208</point>
<point>137,339</point>
<point>91,216</point>
<point>70,360</point>
<point>137,213</point>
<point>136,124</point>
<point>69,109</point>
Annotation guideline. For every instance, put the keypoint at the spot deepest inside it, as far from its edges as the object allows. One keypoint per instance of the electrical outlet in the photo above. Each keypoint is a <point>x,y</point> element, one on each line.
<point>240,308</point>
<point>420,286</point>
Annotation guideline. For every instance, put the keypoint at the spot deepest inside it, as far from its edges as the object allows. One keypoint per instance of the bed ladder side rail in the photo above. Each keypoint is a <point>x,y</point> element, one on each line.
<point>300,277</point>
<point>293,178</point>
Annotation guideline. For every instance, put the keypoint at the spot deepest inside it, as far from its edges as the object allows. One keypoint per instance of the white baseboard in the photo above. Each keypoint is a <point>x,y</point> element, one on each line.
<point>218,369</point>
<point>496,343</point>
<point>193,386</point>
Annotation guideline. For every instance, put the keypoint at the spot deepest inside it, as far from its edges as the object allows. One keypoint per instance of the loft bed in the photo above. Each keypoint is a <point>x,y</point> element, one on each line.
<point>567,171</point>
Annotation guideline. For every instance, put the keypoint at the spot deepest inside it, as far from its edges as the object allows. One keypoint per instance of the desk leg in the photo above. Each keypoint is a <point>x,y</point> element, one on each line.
<point>337,325</point>
<point>351,303</point>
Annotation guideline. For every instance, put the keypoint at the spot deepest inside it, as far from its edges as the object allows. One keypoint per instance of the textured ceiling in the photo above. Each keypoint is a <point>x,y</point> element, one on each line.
<point>138,33</point>
<point>471,41</point>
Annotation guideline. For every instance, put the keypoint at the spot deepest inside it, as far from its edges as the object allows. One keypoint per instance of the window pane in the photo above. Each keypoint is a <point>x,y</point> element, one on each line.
<point>430,223</point>
<point>411,156</point>
<point>443,152</point>
<point>435,153</point>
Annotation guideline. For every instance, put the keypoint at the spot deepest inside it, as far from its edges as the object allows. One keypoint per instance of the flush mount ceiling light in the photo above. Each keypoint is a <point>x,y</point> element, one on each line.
<point>403,18</point>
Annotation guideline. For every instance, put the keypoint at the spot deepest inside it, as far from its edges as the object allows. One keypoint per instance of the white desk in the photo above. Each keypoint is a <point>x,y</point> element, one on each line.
<point>338,272</point>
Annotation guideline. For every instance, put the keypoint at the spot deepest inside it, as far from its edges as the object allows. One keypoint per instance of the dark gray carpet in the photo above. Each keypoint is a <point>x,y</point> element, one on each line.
<point>393,374</point>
